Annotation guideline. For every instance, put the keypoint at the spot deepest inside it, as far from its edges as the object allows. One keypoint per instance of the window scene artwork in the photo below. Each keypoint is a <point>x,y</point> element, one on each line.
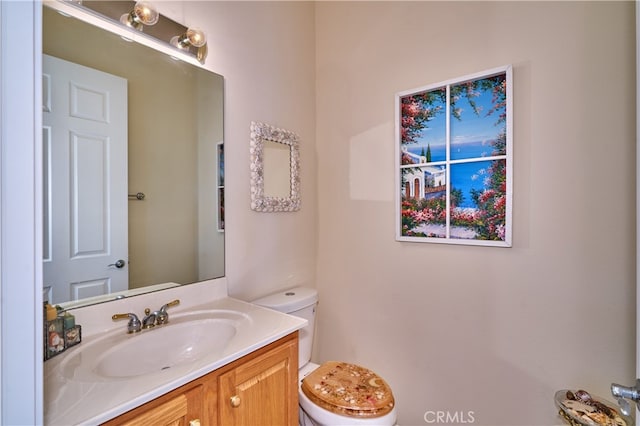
<point>453,161</point>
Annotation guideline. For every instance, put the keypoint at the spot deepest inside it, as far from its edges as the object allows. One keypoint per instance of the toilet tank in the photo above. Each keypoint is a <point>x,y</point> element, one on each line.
<point>300,302</point>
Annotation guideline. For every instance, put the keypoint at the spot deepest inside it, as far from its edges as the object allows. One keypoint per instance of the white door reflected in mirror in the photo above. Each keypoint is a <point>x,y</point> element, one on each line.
<point>277,169</point>
<point>85,149</point>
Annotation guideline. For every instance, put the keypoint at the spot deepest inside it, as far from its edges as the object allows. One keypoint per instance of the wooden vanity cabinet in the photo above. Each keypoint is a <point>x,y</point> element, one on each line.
<point>182,408</point>
<point>260,388</point>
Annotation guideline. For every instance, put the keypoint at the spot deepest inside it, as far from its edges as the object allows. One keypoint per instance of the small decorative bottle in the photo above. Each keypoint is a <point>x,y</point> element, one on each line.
<point>72,331</point>
<point>54,332</point>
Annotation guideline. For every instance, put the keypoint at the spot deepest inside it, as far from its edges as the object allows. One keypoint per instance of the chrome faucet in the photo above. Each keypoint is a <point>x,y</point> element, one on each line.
<point>149,319</point>
<point>134,324</point>
<point>159,317</point>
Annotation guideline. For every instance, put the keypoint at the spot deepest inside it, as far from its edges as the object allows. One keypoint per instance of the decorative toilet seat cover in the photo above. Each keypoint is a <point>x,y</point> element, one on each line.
<point>349,390</point>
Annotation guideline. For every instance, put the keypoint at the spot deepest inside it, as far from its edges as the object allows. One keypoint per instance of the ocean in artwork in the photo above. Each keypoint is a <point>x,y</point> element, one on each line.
<point>464,176</point>
<point>459,151</point>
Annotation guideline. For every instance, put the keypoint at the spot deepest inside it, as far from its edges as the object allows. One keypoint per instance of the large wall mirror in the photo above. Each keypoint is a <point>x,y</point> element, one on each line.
<point>132,148</point>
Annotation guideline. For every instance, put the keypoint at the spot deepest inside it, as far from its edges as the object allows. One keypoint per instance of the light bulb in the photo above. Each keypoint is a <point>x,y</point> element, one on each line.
<point>196,37</point>
<point>143,13</point>
<point>192,37</point>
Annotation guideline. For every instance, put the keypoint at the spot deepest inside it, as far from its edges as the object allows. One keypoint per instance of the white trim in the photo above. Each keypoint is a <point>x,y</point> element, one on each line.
<point>458,80</point>
<point>637,194</point>
<point>20,213</point>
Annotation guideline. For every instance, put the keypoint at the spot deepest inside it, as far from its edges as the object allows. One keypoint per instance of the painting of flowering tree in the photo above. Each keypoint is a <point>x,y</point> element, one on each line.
<point>454,161</point>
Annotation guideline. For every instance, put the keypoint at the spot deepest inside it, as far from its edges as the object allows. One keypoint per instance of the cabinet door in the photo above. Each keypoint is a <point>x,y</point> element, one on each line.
<point>262,391</point>
<point>184,409</point>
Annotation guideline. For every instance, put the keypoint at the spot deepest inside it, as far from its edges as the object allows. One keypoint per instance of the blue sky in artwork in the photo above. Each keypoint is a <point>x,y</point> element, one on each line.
<point>471,127</point>
<point>435,132</point>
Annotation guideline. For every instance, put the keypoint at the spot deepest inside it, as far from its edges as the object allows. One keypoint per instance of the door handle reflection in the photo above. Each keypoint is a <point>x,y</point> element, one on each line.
<point>119,264</point>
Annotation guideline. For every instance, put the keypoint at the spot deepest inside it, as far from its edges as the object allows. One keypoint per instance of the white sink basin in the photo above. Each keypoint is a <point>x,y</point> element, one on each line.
<point>186,339</point>
<point>165,347</point>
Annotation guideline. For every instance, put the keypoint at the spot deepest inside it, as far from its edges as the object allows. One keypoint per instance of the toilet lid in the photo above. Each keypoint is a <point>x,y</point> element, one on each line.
<point>349,390</point>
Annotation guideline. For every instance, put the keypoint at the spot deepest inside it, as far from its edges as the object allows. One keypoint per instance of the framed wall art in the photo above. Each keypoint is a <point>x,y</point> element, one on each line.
<point>454,146</point>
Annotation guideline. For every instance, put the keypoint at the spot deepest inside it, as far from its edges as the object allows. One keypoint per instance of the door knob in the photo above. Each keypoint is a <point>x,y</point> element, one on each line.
<point>195,422</point>
<point>119,264</point>
<point>625,393</point>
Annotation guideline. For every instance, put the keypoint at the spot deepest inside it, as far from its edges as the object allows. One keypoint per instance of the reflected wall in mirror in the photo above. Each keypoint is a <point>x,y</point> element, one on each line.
<point>275,178</point>
<point>172,117</point>
<point>276,157</point>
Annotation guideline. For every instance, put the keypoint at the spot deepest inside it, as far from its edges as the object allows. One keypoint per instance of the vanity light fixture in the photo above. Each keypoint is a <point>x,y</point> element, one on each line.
<point>143,13</point>
<point>192,37</point>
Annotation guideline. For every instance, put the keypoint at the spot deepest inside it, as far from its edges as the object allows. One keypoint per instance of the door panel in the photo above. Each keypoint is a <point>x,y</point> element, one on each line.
<point>89,195</point>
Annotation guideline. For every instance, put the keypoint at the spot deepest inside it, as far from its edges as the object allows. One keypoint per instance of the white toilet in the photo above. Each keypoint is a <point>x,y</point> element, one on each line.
<point>334,393</point>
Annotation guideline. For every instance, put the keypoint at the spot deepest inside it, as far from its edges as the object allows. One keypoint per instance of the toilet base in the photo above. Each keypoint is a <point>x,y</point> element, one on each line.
<point>304,419</point>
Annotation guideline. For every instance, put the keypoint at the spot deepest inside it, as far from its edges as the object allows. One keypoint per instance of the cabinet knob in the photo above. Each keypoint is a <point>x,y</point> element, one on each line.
<point>235,401</point>
<point>195,422</point>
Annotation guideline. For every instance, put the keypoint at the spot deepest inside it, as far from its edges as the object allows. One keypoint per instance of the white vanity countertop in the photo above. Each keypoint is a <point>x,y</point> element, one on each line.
<point>69,402</point>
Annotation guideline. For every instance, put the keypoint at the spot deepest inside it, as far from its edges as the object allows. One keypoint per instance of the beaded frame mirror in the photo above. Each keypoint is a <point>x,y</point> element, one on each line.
<point>274,186</point>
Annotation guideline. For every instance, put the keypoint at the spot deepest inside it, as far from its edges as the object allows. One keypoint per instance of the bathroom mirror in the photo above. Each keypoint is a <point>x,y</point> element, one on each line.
<point>171,176</point>
<point>275,180</point>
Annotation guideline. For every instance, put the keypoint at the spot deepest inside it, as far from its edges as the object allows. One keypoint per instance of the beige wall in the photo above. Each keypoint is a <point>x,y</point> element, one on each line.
<point>489,330</point>
<point>266,52</point>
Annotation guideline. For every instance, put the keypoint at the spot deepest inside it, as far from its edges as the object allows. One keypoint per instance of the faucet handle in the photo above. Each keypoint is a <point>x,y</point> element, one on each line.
<point>162,316</point>
<point>134,324</point>
<point>170,304</point>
